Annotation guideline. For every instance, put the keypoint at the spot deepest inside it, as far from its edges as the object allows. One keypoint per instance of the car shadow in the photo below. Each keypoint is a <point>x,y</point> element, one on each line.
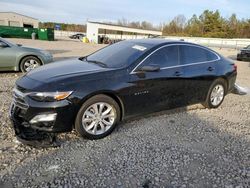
<point>233,57</point>
<point>165,149</point>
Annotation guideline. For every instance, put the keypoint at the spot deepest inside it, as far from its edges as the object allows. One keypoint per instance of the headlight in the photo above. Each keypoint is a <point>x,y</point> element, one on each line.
<point>49,96</point>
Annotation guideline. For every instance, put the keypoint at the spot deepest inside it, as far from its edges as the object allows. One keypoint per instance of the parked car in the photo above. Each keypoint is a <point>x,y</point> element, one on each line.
<point>244,54</point>
<point>15,57</point>
<point>77,36</point>
<point>102,39</point>
<point>92,94</point>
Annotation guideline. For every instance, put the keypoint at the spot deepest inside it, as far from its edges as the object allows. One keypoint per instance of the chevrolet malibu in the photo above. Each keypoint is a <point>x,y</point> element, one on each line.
<point>92,94</point>
<point>15,57</point>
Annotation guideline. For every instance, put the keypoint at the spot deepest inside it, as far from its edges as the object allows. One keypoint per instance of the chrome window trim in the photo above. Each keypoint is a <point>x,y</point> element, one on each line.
<point>163,68</point>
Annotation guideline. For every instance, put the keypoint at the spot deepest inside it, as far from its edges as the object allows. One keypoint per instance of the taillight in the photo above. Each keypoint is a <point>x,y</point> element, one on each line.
<point>235,67</point>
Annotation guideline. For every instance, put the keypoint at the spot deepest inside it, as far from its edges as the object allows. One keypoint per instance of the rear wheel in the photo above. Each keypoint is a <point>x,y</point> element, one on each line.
<point>29,63</point>
<point>216,94</point>
<point>97,117</point>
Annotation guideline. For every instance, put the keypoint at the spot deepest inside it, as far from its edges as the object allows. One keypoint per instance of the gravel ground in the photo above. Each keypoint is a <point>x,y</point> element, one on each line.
<point>187,147</point>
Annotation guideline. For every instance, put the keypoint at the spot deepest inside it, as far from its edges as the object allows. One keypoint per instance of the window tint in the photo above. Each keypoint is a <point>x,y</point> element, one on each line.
<point>193,54</point>
<point>7,42</point>
<point>120,54</point>
<point>164,57</point>
<point>2,43</point>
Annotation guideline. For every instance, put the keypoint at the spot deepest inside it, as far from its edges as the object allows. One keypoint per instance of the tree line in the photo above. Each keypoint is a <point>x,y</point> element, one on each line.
<point>208,24</point>
<point>64,26</point>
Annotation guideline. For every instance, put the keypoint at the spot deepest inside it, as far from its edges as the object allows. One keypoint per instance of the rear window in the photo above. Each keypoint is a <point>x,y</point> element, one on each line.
<point>193,54</point>
<point>120,54</point>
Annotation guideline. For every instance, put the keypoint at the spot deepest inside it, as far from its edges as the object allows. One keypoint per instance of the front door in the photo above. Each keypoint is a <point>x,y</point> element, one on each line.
<point>157,90</point>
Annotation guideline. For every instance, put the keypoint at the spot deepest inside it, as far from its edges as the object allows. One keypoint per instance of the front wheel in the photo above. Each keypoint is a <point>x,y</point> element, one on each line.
<point>97,117</point>
<point>29,63</point>
<point>216,94</point>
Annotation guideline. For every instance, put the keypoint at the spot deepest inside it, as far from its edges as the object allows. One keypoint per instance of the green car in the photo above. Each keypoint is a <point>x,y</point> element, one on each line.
<point>15,57</point>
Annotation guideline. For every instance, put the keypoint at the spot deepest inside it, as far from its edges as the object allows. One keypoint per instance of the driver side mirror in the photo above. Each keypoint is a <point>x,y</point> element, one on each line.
<point>3,45</point>
<point>150,68</point>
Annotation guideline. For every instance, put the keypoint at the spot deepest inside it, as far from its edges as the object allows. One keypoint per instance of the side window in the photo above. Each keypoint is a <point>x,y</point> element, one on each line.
<point>164,57</point>
<point>3,44</point>
<point>193,54</point>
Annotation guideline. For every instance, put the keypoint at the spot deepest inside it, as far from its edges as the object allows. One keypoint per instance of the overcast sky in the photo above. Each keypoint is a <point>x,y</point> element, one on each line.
<point>156,11</point>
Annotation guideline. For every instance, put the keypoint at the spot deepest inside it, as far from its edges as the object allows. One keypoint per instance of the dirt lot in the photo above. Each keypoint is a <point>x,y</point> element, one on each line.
<point>188,147</point>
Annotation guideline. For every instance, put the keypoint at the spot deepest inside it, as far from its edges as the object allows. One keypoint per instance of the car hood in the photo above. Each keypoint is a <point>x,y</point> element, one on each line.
<point>244,50</point>
<point>29,49</point>
<point>64,70</point>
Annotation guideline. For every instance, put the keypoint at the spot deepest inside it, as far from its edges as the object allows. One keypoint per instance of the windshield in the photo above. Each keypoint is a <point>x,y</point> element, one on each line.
<point>120,54</point>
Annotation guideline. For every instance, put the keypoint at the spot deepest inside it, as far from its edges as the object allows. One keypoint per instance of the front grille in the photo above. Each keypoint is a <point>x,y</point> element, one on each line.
<point>18,99</point>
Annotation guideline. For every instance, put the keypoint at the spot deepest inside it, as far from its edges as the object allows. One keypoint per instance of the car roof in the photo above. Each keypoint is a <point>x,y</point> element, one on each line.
<point>159,41</point>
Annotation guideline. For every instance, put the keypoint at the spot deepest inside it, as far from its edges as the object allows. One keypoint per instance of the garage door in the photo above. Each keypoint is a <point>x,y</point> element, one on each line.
<point>13,23</point>
<point>2,22</point>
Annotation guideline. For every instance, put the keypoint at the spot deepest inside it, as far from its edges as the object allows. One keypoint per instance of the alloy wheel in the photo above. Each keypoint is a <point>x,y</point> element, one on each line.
<point>98,118</point>
<point>30,64</point>
<point>217,95</point>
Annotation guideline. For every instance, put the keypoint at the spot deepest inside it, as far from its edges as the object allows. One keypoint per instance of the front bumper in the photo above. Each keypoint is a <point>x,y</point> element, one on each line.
<point>23,110</point>
<point>63,122</point>
<point>30,136</point>
<point>243,56</point>
<point>239,56</point>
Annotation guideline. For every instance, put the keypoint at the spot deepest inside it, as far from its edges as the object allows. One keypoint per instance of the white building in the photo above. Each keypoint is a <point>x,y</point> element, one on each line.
<point>93,29</point>
<point>17,20</point>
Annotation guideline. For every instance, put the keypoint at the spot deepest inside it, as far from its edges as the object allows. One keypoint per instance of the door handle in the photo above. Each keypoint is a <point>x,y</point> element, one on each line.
<point>210,68</point>
<point>177,73</point>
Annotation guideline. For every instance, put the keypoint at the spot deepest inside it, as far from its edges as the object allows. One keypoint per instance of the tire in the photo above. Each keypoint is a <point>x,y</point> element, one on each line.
<point>217,86</point>
<point>90,125</point>
<point>33,62</point>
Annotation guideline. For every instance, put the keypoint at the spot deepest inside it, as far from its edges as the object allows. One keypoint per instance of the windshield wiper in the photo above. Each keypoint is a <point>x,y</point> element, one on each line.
<point>93,61</point>
<point>98,63</point>
<point>82,58</point>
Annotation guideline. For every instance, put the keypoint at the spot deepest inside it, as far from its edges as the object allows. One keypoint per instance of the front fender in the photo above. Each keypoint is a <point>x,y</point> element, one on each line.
<point>23,55</point>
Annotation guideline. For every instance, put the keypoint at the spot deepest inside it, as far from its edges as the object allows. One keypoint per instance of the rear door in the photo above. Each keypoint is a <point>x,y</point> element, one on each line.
<point>199,68</point>
<point>152,91</point>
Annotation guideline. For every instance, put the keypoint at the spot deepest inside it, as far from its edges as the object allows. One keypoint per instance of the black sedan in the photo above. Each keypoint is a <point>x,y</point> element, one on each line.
<point>244,54</point>
<point>92,94</point>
